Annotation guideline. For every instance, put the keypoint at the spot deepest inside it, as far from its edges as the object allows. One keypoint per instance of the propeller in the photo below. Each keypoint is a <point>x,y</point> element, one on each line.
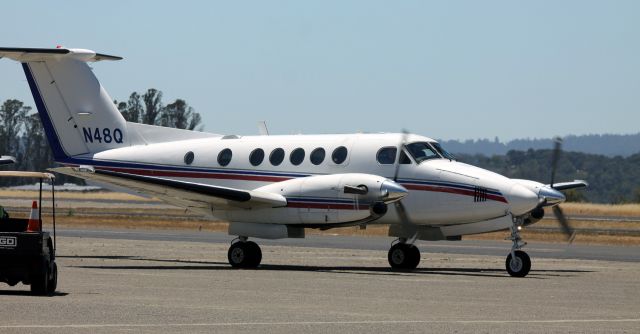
<point>568,231</point>
<point>407,225</point>
<point>555,156</point>
<point>403,140</point>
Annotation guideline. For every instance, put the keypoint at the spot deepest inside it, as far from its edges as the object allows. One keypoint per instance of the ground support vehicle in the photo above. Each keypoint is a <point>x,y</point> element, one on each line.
<point>27,253</point>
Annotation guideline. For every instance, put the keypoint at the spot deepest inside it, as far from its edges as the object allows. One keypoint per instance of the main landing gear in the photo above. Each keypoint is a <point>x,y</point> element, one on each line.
<point>403,255</point>
<point>518,262</point>
<point>244,254</point>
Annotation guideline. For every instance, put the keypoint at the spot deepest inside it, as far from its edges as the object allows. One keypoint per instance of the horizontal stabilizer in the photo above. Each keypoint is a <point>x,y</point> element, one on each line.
<point>37,54</point>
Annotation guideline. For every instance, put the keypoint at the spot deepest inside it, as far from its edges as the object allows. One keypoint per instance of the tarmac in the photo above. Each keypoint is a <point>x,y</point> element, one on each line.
<point>180,282</point>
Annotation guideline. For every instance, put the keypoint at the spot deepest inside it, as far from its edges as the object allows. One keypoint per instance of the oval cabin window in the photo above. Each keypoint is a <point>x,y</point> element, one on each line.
<point>256,157</point>
<point>224,157</point>
<point>339,155</point>
<point>188,158</point>
<point>276,157</point>
<point>297,156</point>
<point>317,156</point>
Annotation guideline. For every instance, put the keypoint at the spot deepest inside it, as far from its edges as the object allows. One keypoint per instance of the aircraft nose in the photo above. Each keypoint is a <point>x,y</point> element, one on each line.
<point>521,200</point>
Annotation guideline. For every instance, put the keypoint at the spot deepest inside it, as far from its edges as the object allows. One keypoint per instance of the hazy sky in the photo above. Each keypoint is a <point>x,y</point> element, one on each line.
<point>448,69</point>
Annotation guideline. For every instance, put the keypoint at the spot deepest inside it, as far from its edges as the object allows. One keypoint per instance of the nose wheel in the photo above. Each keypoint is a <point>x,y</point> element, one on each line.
<point>518,262</point>
<point>244,254</point>
<point>404,256</point>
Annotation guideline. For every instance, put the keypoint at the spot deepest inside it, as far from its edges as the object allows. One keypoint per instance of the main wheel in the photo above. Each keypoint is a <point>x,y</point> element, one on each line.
<point>404,256</point>
<point>40,279</point>
<point>244,254</point>
<point>519,265</point>
<point>52,284</point>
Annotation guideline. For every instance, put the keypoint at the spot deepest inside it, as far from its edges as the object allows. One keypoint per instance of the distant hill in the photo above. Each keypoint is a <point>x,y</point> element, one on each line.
<point>608,145</point>
<point>611,179</point>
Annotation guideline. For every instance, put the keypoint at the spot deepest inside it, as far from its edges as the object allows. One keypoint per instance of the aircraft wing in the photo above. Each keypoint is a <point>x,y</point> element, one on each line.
<point>180,193</point>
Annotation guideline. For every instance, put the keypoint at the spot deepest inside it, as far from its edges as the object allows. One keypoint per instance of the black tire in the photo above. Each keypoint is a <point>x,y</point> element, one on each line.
<point>521,266</point>
<point>53,279</point>
<point>40,279</point>
<point>244,254</point>
<point>403,256</point>
<point>255,254</point>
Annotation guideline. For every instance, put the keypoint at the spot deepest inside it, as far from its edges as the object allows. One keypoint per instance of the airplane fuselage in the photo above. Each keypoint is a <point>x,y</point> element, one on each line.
<point>441,191</point>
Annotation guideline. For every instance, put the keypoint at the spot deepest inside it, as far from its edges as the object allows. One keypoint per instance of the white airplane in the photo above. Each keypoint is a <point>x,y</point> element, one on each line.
<point>7,160</point>
<point>277,186</point>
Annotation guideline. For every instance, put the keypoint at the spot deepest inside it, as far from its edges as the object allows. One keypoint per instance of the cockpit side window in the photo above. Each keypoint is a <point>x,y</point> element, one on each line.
<point>404,159</point>
<point>421,151</point>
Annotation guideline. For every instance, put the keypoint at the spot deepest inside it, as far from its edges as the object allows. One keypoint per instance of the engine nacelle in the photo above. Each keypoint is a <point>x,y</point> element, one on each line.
<point>336,198</point>
<point>534,216</point>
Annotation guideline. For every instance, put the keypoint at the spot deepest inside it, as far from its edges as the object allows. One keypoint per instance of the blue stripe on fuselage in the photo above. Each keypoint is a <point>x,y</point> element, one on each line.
<point>49,130</point>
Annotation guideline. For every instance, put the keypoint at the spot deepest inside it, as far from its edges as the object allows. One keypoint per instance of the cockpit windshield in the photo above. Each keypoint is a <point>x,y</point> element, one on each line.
<point>442,151</point>
<point>421,151</point>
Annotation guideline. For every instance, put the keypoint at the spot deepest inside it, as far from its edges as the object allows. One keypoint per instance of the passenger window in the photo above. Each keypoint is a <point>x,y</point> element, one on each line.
<point>387,155</point>
<point>256,157</point>
<point>276,156</point>
<point>339,155</point>
<point>317,156</point>
<point>188,158</point>
<point>297,156</point>
<point>224,157</point>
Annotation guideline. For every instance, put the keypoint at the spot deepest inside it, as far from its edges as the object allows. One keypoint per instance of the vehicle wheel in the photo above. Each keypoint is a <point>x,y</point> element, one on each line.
<point>40,280</point>
<point>255,254</point>
<point>404,256</point>
<point>244,254</point>
<point>519,265</point>
<point>53,279</point>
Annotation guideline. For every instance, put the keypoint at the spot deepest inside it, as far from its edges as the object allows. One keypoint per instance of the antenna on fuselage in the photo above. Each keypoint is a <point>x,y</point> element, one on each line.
<point>262,128</point>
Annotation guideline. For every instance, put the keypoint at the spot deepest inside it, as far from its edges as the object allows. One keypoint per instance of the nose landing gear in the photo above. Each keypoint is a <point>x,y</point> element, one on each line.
<point>518,262</point>
<point>403,256</point>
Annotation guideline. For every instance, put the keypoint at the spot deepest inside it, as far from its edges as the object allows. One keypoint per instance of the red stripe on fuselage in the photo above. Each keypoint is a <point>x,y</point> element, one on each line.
<point>196,175</point>
<point>456,191</point>
<point>327,206</point>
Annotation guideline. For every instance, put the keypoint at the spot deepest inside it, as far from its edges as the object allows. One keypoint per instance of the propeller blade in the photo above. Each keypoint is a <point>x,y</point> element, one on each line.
<point>555,156</point>
<point>407,225</point>
<point>403,141</point>
<point>564,224</point>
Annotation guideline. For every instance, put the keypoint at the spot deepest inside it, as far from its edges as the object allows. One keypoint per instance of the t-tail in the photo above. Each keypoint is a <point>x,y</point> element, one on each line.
<point>78,115</point>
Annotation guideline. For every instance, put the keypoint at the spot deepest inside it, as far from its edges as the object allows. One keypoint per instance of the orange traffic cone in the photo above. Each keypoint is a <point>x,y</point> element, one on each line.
<point>34,224</point>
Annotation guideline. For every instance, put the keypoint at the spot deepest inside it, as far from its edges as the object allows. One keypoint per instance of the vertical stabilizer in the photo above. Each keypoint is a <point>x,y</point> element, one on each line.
<point>78,115</point>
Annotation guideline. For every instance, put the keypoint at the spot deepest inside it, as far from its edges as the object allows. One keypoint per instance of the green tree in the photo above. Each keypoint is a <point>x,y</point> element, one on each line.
<point>37,152</point>
<point>152,106</point>
<point>636,195</point>
<point>12,116</point>
<point>180,115</point>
